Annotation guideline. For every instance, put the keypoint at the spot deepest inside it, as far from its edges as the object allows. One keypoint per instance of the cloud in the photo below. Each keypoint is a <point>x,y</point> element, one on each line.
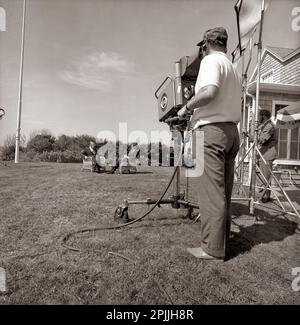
<point>98,71</point>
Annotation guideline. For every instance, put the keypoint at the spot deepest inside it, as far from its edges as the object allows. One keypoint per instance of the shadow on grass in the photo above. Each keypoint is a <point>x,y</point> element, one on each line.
<point>118,173</point>
<point>138,173</point>
<point>265,228</point>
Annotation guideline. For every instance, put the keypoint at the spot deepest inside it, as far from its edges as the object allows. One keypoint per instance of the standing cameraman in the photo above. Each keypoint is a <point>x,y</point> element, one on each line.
<point>216,110</point>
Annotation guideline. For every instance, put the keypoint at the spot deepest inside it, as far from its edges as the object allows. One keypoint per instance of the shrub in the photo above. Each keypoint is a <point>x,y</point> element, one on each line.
<point>41,143</point>
<point>8,153</point>
<point>8,150</point>
<point>69,156</point>
<point>30,156</point>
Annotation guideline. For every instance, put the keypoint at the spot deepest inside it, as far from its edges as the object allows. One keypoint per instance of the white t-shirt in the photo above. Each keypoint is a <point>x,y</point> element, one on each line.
<point>216,69</point>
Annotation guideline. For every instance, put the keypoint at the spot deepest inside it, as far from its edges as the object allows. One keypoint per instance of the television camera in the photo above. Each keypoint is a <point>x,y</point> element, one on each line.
<point>174,92</point>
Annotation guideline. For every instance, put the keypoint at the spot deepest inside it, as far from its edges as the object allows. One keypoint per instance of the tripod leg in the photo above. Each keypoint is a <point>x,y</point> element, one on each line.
<point>251,206</point>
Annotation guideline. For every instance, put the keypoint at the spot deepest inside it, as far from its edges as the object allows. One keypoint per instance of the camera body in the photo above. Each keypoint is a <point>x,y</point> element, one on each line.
<point>175,92</point>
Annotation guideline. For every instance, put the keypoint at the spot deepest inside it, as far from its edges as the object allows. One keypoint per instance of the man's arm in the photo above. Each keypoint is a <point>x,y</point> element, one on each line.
<point>204,96</point>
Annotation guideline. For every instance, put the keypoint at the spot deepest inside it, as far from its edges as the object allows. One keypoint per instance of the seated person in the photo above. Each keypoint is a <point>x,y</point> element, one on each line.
<point>98,161</point>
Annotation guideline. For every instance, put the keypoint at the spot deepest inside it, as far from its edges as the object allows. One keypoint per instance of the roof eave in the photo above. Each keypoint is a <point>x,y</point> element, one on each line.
<point>268,50</point>
<point>274,88</point>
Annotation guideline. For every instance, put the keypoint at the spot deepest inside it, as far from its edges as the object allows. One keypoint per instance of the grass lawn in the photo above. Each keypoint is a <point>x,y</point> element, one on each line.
<point>41,203</point>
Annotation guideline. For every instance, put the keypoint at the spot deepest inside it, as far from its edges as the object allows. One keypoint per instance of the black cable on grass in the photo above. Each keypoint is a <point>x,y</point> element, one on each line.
<point>84,230</point>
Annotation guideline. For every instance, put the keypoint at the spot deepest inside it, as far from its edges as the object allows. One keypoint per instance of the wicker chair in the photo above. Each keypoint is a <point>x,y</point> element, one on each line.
<point>88,164</point>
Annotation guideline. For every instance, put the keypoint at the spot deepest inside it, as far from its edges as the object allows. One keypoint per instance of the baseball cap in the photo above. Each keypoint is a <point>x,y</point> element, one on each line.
<point>216,35</point>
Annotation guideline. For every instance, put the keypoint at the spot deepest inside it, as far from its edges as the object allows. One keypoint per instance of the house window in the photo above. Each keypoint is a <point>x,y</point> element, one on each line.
<point>288,139</point>
<point>267,77</point>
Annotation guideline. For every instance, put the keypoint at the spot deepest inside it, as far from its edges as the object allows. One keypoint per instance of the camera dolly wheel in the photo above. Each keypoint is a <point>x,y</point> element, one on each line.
<point>121,214</point>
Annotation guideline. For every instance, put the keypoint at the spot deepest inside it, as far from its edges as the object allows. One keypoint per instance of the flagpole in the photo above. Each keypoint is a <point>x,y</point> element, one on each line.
<point>20,87</point>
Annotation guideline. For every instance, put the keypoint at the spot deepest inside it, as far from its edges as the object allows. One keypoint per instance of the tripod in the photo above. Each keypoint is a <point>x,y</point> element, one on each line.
<point>257,172</point>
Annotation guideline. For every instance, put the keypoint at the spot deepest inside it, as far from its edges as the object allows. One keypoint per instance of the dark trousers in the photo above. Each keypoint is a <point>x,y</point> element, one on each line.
<point>221,145</point>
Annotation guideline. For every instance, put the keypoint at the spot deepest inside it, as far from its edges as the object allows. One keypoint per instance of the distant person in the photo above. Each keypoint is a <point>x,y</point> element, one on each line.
<point>92,152</point>
<point>267,144</point>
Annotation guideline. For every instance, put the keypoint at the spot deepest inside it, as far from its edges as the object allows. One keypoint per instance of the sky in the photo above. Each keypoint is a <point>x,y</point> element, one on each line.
<point>91,64</point>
